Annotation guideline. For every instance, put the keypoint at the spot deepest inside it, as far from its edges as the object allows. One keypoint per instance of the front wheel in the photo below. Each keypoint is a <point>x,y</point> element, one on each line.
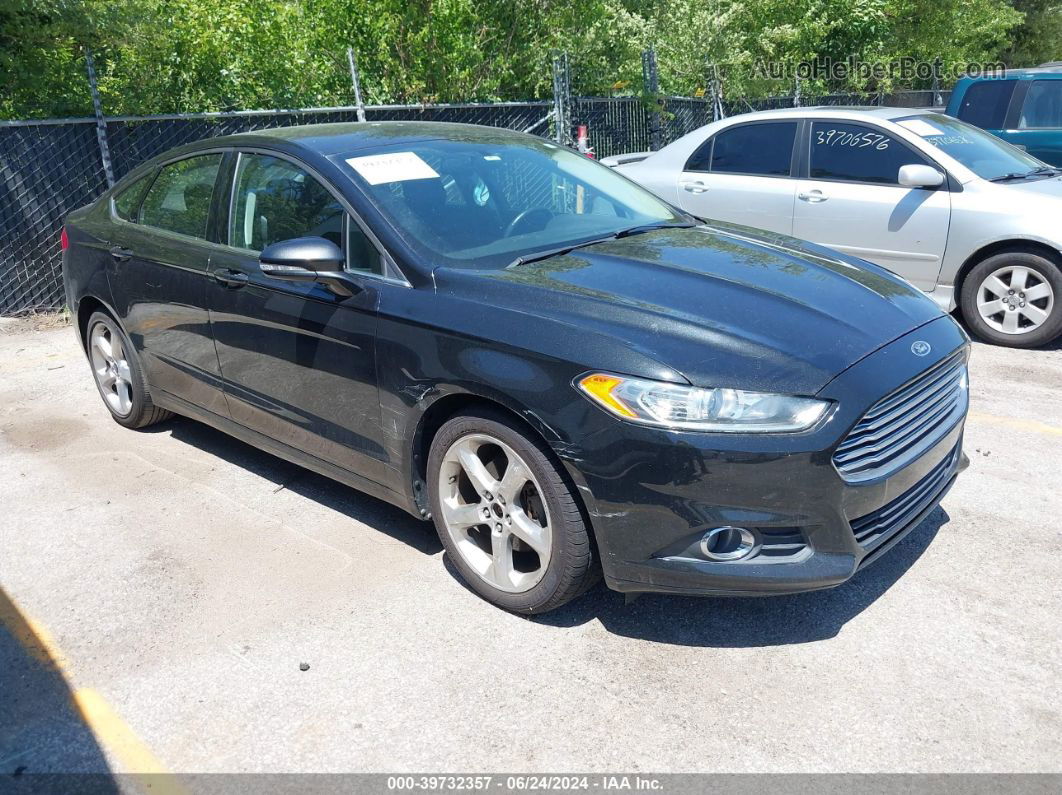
<point>1014,299</point>
<point>509,522</point>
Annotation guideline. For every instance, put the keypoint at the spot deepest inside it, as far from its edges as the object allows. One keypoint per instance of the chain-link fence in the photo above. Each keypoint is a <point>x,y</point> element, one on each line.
<point>49,168</point>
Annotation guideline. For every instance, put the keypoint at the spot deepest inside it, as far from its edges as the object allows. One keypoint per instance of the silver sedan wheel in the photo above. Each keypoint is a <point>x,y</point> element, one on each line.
<point>111,369</point>
<point>494,512</point>
<point>1015,300</point>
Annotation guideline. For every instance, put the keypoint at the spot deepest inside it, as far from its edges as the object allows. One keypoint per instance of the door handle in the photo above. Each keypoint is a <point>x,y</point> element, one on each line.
<point>693,185</point>
<point>120,254</point>
<point>230,278</point>
<point>813,196</point>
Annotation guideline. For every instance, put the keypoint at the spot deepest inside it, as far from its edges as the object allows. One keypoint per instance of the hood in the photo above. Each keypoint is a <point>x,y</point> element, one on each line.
<point>723,306</point>
<point>1034,190</point>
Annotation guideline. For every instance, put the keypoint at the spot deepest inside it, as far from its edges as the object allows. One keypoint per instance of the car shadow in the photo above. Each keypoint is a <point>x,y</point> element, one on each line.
<point>354,504</point>
<point>741,622</point>
<point>709,622</point>
<point>45,743</point>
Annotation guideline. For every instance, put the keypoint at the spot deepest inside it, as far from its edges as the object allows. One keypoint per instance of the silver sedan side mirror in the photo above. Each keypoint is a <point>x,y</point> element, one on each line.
<point>919,176</point>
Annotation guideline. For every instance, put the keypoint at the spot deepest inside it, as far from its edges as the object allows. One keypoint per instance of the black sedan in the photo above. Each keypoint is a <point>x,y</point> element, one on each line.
<point>569,376</point>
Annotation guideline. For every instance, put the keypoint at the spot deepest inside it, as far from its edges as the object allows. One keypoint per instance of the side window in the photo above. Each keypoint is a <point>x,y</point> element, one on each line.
<point>276,200</point>
<point>701,159</point>
<point>762,149</point>
<point>856,153</point>
<point>1043,106</point>
<point>362,255</point>
<point>127,201</point>
<point>985,103</point>
<point>179,198</point>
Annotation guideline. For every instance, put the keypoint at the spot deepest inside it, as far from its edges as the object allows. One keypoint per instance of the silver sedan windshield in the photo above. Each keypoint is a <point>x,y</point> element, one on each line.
<point>983,153</point>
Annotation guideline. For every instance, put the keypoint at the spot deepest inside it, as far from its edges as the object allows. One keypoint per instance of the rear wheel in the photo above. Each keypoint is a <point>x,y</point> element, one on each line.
<point>118,374</point>
<point>1014,299</point>
<point>505,515</point>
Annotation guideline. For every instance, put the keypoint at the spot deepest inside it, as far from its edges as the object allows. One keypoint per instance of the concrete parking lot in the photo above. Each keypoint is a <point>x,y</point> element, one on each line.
<point>159,591</point>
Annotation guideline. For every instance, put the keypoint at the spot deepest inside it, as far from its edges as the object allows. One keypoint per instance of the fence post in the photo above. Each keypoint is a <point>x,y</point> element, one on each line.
<point>354,80</point>
<point>101,124</point>
<point>716,89</point>
<point>651,84</point>
<point>937,98</point>
<point>562,97</point>
<point>796,93</point>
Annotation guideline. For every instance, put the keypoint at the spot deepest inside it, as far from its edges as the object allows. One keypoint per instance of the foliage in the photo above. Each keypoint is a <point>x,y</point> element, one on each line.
<point>1039,39</point>
<point>163,56</point>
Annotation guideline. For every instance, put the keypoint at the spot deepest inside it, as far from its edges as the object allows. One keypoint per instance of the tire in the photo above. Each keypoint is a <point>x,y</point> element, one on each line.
<point>535,520</point>
<point>119,378</point>
<point>1000,283</point>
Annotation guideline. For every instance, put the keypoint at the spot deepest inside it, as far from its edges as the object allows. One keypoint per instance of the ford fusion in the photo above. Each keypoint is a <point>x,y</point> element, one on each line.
<point>568,376</point>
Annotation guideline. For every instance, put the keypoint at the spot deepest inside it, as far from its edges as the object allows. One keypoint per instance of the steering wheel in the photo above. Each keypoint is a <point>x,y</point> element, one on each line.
<point>525,217</point>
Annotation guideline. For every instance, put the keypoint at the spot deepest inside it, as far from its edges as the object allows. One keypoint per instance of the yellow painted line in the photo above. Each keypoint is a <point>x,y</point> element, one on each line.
<point>122,741</point>
<point>109,729</point>
<point>1033,426</point>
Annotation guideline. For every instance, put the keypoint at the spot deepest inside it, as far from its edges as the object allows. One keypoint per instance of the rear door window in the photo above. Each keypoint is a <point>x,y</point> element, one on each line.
<point>985,103</point>
<point>857,153</point>
<point>1043,106</point>
<point>764,149</point>
<point>179,198</point>
<point>127,201</point>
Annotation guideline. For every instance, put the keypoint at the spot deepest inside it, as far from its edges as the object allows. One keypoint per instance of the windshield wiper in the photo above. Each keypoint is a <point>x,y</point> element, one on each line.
<point>536,256</point>
<point>637,230</point>
<point>1036,172</point>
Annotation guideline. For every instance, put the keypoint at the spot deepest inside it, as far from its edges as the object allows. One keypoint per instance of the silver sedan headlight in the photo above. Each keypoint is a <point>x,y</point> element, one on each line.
<point>680,407</point>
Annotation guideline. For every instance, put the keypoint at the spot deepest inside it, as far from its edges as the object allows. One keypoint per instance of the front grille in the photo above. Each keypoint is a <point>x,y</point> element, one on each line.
<point>878,526</point>
<point>903,425</point>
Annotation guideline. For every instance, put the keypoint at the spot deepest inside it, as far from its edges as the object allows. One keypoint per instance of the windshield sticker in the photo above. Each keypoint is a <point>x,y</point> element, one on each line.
<point>854,140</point>
<point>393,167</point>
<point>920,127</point>
<point>944,141</point>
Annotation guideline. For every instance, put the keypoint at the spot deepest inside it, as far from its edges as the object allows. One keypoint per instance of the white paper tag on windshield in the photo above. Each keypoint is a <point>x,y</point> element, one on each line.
<point>393,167</point>
<point>919,127</point>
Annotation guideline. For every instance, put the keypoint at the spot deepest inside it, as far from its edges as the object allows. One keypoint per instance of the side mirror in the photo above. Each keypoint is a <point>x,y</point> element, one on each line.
<point>307,259</point>
<point>920,176</point>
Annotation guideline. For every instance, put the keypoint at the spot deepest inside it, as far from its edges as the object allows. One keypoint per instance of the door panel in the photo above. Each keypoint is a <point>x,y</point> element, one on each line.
<point>760,202</point>
<point>298,361</point>
<point>902,229</point>
<point>853,203</point>
<point>742,175</point>
<point>158,281</point>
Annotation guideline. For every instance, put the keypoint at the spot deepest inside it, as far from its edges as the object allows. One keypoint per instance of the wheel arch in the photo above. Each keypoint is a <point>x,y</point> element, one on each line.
<point>451,404</point>
<point>1017,245</point>
<point>86,307</point>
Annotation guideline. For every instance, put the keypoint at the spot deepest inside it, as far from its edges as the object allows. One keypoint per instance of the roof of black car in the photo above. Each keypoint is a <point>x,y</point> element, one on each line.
<point>338,138</point>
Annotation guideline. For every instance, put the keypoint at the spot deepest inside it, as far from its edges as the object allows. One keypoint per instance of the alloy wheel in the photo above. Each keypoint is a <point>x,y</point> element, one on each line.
<point>493,510</point>
<point>1015,300</point>
<point>111,368</point>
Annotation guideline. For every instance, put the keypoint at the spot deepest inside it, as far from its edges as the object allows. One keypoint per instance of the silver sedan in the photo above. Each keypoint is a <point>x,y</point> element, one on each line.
<point>971,220</point>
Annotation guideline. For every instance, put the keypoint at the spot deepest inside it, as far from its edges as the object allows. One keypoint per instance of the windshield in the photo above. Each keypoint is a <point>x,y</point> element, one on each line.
<point>486,204</point>
<point>981,152</point>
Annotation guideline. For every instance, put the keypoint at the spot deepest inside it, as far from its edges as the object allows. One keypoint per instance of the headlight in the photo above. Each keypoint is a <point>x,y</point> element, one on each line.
<point>691,408</point>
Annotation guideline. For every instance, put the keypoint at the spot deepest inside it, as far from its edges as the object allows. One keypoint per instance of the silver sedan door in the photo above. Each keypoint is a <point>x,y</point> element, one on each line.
<point>743,174</point>
<point>852,201</point>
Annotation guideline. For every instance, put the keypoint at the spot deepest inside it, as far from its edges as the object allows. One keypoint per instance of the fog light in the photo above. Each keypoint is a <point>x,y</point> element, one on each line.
<point>729,543</point>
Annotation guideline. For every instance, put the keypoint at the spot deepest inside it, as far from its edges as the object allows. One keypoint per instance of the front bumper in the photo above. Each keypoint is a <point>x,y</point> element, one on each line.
<point>652,494</point>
